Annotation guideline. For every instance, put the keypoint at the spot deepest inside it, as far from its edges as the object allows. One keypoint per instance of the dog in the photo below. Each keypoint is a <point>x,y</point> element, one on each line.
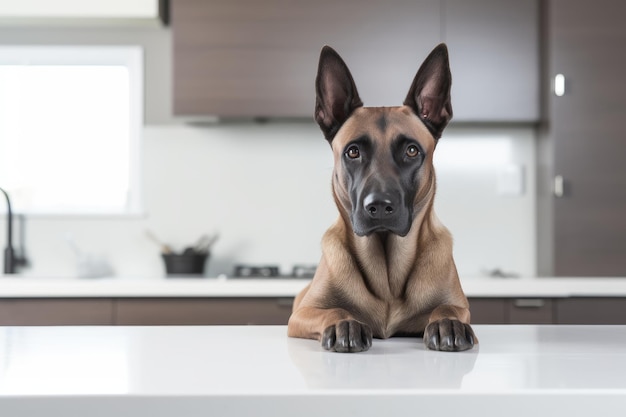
<point>387,267</point>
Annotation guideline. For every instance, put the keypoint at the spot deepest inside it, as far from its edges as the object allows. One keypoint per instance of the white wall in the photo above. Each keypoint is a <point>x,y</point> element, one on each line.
<point>491,231</point>
<point>266,189</point>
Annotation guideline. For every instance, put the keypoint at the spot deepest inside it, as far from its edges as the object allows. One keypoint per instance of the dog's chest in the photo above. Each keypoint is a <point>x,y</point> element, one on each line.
<point>397,317</point>
<point>407,314</point>
<point>397,314</point>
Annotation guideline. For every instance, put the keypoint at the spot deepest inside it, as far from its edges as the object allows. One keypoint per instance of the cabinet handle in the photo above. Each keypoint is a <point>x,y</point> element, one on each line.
<point>559,186</point>
<point>559,85</point>
<point>529,303</point>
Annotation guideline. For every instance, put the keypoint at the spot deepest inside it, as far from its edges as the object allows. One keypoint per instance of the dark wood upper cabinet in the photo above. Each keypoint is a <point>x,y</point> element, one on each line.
<point>247,58</point>
<point>587,136</point>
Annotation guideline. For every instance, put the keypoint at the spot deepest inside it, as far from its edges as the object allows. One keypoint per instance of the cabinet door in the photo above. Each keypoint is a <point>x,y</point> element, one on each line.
<point>248,58</point>
<point>494,58</point>
<point>488,310</point>
<point>591,311</point>
<point>587,129</point>
<point>65,312</point>
<point>202,311</point>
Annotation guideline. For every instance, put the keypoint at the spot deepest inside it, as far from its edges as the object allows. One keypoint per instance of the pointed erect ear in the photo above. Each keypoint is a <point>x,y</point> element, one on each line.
<point>336,93</point>
<point>429,96</point>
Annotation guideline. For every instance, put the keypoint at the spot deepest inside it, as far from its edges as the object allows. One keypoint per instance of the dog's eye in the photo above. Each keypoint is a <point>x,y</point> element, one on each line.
<point>353,152</point>
<point>412,151</point>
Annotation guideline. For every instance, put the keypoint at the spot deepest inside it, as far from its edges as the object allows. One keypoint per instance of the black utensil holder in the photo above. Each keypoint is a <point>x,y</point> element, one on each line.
<point>185,265</point>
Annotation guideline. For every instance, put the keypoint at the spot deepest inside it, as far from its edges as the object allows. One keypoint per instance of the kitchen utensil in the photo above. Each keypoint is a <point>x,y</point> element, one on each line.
<point>166,249</point>
<point>205,243</point>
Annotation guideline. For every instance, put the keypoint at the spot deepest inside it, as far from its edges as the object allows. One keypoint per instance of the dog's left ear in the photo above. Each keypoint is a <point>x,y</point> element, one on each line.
<point>336,92</point>
<point>429,96</point>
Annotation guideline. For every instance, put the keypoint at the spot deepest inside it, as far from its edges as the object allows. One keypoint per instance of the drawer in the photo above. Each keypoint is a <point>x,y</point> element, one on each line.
<point>55,311</point>
<point>530,311</point>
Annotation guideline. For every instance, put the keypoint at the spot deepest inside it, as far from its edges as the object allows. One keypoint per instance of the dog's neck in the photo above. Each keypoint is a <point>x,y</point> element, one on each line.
<point>386,259</point>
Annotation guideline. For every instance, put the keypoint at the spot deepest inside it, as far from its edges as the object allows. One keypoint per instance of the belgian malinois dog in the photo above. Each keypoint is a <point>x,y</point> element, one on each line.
<point>387,267</point>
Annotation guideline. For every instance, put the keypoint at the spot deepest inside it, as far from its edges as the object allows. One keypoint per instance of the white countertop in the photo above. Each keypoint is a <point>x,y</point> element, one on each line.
<point>25,287</point>
<point>257,370</point>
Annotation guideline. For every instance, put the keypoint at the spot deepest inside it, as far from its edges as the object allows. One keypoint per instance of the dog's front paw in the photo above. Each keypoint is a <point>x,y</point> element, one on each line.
<point>347,336</point>
<point>449,335</point>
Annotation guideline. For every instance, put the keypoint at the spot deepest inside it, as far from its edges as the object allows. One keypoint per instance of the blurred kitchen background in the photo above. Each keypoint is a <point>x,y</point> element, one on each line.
<point>226,143</point>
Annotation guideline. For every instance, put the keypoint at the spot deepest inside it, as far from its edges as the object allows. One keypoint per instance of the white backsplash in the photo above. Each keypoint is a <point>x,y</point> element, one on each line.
<point>266,189</point>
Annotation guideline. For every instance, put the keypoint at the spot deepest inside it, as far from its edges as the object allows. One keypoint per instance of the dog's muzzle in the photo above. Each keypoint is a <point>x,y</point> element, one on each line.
<point>381,212</point>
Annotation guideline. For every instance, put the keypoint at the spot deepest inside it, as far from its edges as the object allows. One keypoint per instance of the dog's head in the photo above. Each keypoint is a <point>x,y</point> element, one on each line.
<point>383,170</point>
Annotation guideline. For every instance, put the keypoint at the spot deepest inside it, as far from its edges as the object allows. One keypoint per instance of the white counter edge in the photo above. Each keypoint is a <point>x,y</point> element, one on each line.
<point>21,287</point>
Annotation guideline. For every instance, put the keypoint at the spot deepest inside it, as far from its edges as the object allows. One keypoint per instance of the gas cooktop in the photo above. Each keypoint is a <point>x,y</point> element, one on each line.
<point>272,271</point>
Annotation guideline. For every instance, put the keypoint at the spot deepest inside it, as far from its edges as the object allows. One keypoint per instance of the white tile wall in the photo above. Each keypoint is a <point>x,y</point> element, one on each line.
<point>266,189</point>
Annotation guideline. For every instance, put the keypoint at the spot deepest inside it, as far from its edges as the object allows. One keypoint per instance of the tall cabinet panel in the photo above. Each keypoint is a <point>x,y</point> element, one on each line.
<point>586,127</point>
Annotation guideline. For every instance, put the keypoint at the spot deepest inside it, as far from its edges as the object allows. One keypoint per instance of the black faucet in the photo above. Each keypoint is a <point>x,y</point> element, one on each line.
<point>10,259</point>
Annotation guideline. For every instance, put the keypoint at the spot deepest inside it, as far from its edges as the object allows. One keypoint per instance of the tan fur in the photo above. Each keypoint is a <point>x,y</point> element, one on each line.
<point>396,285</point>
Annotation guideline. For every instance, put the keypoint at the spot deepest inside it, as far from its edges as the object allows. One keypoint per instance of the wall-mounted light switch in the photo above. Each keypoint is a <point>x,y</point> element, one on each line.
<point>510,180</point>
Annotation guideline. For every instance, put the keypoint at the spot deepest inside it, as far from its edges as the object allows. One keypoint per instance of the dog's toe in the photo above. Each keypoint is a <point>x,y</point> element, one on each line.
<point>347,336</point>
<point>449,336</point>
<point>329,338</point>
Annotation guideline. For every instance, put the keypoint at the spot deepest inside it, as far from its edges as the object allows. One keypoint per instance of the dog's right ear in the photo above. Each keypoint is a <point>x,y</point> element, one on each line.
<point>336,93</point>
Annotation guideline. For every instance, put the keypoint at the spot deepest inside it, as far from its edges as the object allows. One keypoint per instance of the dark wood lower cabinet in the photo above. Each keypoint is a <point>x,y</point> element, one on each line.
<point>575,310</point>
<point>202,311</point>
<point>272,310</point>
<point>530,311</point>
<point>511,310</point>
<point>488,310</point>
<point>590,311</point>
<point>55,311</point>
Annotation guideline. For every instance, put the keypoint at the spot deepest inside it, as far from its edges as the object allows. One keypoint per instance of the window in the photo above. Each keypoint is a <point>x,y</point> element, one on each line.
<point>70,123</point>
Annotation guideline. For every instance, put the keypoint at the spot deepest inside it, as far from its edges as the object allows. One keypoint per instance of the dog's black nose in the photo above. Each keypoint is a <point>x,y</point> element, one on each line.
<point>379,205</point>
